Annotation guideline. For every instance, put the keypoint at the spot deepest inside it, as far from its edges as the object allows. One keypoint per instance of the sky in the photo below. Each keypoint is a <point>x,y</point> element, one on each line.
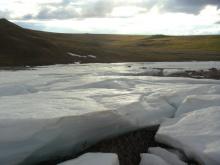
<point>169,17</point>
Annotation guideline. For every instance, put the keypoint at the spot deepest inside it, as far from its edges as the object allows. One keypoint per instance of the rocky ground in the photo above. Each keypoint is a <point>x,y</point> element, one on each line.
<point>212,73</point>
<point>128,147</point>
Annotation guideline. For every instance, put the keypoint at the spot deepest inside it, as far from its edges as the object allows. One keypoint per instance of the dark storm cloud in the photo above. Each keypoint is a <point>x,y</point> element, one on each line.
<point>62,10</point>
<point>58,13</point>
<point>188,6</point>
<point>73,9</point>
<point>67,9</point>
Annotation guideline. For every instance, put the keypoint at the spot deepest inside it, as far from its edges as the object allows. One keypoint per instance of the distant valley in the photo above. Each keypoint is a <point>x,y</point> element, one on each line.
<point>24,47</point>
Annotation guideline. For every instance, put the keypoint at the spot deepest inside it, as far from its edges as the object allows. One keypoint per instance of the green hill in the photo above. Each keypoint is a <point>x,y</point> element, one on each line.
<point>19,47</point>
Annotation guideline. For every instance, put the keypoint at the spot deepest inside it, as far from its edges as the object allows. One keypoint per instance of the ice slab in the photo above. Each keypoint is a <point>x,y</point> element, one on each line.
<point>168,72</point>
<point>150,159</point>
<point>94,159</point>
<point>196,133</point>
<point>44,107</point>
<point>196,102</point>
<point>169,157</point>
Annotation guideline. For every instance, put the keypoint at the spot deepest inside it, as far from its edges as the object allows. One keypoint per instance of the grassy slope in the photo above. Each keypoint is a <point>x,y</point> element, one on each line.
<point>26,47</point>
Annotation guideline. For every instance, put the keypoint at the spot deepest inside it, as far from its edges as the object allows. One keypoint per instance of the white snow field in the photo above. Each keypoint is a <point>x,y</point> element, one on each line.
<point>51,110</point>
<point>94,159</point>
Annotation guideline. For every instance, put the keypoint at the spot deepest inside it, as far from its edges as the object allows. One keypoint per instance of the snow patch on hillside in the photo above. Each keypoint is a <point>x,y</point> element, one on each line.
<point>80,56</point>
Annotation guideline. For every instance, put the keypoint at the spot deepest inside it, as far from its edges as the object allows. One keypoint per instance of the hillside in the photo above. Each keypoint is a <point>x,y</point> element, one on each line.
<point>19,47</point>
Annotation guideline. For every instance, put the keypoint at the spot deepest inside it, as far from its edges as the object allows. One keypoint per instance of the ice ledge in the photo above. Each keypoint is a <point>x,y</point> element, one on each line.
<point>94,159</point>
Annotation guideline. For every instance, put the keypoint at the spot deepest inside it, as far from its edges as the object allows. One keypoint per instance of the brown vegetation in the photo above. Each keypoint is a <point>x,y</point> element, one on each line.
<point>21,47</point>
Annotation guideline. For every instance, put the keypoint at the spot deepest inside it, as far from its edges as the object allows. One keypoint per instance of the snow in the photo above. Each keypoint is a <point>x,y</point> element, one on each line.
<point>184,65</point>
<point>196,133</point>
<point>91,56</point>
<point>80,56</point>
<point>168,72</point>
<point>178,153</point>
<point>169,157</point>
<point>170,68</point>
<point>161,156</point>
<point>94,159</point>
<point>76,55</point>
<point>150,159</point>
<point>49,110</point>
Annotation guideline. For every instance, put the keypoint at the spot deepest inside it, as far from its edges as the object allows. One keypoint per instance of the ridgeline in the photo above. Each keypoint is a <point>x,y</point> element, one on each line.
<point>22,47</point>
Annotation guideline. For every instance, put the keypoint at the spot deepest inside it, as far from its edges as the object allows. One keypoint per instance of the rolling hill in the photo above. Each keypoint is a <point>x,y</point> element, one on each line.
<point>21,47</point>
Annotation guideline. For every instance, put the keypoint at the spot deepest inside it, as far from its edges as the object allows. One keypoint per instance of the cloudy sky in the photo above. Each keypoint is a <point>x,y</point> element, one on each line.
<point>172,17</point>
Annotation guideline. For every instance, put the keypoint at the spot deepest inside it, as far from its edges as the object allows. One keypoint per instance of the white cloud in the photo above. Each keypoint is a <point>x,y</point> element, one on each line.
<point>127,11</point>
<point>117,16</point>
<point>151,22</point>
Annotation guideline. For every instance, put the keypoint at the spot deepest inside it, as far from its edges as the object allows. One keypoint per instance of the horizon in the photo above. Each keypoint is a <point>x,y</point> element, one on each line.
<point>140,17</point>
<point>110,33</point>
